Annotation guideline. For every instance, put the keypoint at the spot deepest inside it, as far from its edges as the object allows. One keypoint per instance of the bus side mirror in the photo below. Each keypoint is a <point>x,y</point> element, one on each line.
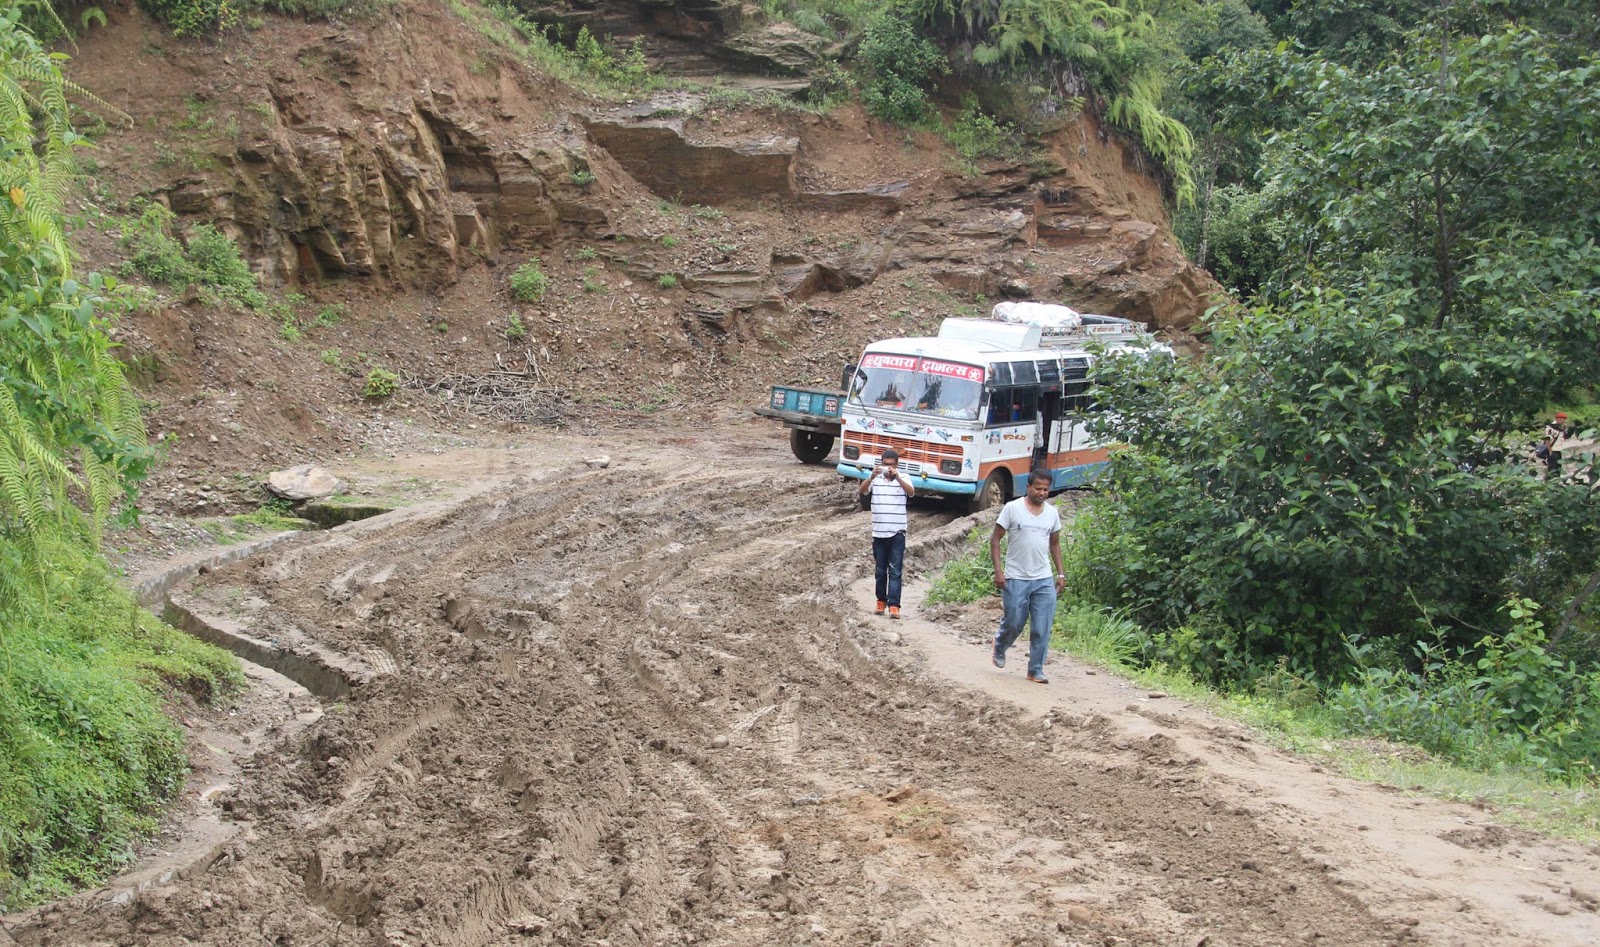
<point>849,373</point>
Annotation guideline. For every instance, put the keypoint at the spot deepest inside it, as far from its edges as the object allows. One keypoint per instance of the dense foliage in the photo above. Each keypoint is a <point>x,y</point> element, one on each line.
<point>86,754</point>
<point>1112,52</point>
<point>1341,492</point>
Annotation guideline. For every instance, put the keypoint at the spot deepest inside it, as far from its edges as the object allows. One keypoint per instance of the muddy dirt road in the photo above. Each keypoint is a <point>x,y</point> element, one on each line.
<point>642,705</point>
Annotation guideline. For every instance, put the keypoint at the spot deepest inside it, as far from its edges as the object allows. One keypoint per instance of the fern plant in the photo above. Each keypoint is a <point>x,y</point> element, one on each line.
<point>1115,47</point>
<point>71,438</point>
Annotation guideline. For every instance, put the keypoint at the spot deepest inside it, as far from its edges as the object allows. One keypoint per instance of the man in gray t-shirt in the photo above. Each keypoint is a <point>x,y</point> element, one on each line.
<point>1027,589</point>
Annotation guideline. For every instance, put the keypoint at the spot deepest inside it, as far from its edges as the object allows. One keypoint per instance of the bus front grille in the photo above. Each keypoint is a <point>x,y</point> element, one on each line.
<point>920,452</point>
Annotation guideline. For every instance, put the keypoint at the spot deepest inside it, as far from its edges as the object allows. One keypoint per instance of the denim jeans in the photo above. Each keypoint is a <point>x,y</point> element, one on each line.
<point>1031,602</point>
<point>888,555</point>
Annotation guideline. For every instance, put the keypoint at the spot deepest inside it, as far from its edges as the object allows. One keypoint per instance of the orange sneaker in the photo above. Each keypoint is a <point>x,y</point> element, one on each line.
<point>879,609</point>
<point>894,611</point>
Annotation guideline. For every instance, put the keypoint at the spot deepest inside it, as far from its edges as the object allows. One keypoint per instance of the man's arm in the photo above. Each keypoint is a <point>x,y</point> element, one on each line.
<point>1055,557</point>
<point>905,484</point>
<point>994,556</point>
<point>867,483</point>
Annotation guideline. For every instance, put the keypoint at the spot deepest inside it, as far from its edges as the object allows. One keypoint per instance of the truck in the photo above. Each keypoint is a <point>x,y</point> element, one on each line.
<point>810,414</point>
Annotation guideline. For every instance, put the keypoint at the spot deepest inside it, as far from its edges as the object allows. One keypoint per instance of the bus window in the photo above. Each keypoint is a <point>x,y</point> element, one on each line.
<point>1075,385</point>
<point>913,390</point>
<point>1013,406</point>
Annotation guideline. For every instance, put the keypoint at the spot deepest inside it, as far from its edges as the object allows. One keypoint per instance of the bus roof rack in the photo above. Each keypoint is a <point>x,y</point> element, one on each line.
<point>1063,325</point>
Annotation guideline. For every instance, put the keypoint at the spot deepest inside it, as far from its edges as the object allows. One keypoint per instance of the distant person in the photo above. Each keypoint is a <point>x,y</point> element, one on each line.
<point>1027,590</point>
<point>1549,449</point>
<point>889,489</point>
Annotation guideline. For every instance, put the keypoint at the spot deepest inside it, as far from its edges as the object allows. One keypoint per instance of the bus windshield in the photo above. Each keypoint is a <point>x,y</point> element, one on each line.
<point>918,385</point>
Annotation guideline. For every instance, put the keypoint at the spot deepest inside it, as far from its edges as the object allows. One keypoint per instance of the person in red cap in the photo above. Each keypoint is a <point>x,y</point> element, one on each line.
<point>1554,432</point>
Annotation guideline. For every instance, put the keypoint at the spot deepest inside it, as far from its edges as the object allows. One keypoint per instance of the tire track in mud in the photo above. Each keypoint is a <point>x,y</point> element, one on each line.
<point>629,706</point>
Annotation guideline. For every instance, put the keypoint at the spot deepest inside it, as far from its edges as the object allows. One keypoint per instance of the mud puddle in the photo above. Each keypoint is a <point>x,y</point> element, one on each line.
<point>640,704</point>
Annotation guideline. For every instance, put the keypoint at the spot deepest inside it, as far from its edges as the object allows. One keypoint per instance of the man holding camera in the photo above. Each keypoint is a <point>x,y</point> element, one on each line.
<point>889,489</point>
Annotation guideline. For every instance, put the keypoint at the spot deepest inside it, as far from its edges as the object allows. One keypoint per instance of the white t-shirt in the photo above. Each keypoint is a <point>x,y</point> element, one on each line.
<point>1028,538</point>
<point>888,507</point>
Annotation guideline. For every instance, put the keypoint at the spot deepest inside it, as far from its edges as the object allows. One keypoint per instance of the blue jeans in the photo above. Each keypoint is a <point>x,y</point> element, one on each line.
<point>1031,602</point>
<point>888,555</point>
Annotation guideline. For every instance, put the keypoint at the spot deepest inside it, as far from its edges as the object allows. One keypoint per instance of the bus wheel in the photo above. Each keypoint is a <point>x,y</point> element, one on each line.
<point>810,446</point>
<point>991,493</point>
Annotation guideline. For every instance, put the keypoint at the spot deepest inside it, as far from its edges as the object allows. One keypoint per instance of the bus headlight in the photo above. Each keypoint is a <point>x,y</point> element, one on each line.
<point>852,452</point>
<point>950,467</point>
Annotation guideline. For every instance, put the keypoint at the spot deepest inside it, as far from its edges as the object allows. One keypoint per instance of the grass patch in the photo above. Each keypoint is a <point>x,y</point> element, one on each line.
<point>587,64</point>
<point>276,514</point>
<point>87,757</point>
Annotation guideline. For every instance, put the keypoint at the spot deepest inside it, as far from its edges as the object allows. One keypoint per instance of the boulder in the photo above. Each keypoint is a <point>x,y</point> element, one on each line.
<point>304,482</point>
<point>660,157</point>
<point>776,47</point>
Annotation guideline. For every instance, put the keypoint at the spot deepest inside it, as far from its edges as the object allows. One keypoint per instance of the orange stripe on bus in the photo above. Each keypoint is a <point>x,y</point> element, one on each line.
<point>1021,466</point>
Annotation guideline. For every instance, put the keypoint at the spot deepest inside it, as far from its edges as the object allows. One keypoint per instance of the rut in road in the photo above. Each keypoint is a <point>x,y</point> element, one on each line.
<point>631,707</point>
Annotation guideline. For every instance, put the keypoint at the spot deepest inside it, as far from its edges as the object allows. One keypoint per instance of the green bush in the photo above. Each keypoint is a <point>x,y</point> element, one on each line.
<point>1505,702</point>
<point>975,135</point>
<point>87,757</point>
<point>196,17</point>
<point>205,17</point>
<point>901,63</point>
<point>156,255</point>
<point>1326,472</point>
<point>969,578</point>
<point>515,330</point>
<point>221,268</point>
<point>211,261</point>
<point>381,383</point>
<point>529,282</point>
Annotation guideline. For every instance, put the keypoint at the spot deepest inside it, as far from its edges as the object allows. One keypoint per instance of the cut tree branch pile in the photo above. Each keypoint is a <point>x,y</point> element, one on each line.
<point>501,394</point>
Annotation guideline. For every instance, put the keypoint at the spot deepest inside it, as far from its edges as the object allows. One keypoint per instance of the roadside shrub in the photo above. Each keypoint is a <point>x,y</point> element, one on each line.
<point>156,255</point>
<point>969,578</point>
<point>381,383</point>
<point>1506,702</point>
<point>211,261</point>
<point>515,330</point>
<point>221,269</point>
<point>195,17</point>
<point>529,282</point>
<point>1099,635</point>
<point>87,757</point>
<point>630,70</point>
<point>975,134</point>
<point>901,62</point>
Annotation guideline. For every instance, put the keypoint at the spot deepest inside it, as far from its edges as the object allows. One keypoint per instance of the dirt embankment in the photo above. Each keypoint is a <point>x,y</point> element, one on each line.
<point>394,170</point>
<point>637,706</point>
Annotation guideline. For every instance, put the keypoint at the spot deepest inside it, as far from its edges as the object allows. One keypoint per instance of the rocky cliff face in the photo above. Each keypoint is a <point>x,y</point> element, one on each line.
<point>399,152</point>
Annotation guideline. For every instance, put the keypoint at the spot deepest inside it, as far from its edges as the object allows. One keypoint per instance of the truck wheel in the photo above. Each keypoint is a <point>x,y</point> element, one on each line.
<point>991,493</point>
<point>810,446</point>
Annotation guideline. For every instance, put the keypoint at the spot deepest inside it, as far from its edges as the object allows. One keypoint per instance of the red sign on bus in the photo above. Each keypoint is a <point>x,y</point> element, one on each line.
<point>911,363</point>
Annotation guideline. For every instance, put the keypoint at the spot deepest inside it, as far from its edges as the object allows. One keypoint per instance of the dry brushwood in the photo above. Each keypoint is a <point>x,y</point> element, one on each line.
<point>501,394</point>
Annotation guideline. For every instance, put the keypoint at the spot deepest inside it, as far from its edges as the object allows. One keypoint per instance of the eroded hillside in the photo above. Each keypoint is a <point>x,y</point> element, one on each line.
<point>701,242</point>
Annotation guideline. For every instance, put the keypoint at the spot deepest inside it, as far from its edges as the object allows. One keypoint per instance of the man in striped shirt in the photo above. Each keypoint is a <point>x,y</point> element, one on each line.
<point>889,492</point>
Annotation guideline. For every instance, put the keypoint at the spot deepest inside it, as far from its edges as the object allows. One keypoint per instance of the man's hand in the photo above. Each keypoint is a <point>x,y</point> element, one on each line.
<point>1000,580</point>
<point>1061,584</point>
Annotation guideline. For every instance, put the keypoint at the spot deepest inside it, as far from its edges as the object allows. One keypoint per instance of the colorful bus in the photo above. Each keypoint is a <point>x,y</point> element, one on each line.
<point>972,410</point>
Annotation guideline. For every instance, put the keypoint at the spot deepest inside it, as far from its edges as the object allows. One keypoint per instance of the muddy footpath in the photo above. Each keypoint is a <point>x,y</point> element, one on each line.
<point>641,702</point>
